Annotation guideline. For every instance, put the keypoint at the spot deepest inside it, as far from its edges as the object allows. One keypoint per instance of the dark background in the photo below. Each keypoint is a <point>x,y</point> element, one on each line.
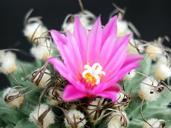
<point>151,17</point>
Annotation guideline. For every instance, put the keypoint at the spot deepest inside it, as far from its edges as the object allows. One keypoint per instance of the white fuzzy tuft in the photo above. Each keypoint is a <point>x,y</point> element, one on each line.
<point>86,18</point>
<point>118,119</point>
<point>148,89</point>
<point>74,116</point>
<point>38,111</point>
<point>35,30</point>
<point>162,71</point>
<point>154,123</point>
<point>42,51</point>
<point>122,28</point>
<point>153,51</point>
<point>7,62</point>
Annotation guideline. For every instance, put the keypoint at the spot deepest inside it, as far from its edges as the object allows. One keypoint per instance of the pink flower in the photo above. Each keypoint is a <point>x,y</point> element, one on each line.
<point>93,61</point>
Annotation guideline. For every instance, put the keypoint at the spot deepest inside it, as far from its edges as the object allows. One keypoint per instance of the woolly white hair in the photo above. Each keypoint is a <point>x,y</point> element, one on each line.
<point>122,28</point>
<point>153,51</point>
<point>48,119</point>
<point>35,30</point>
<point>147,89</point>
<point>8,62</point>
<point>42,51</point>
<point>162,71</point>
<point>75,116</point>
<point>86,18</point>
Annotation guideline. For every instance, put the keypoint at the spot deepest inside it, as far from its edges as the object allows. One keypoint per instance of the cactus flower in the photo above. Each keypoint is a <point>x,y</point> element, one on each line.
<point>93,61</point>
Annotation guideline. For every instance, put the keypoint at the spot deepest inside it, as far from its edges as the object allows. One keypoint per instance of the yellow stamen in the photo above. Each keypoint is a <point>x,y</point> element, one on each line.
<point>93,74</point>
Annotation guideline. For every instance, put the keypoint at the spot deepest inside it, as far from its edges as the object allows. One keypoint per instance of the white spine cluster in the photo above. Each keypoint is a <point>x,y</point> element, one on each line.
<point>7,62</point>
<point>74,117</point>
<point>49,117</point>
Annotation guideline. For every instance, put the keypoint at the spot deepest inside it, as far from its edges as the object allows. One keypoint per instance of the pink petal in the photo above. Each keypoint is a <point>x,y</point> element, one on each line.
<point>66,51</point>
<point>81,38</point>
<point>118,58</point>
<point>61,68</point>
<point>132,59</point>
<point>72,94</point>
<point>104,86</point>
<point>123,71</point>
<point>106,51</point>
<point>110,93</point>
<point>110,29</point>
<point>75,53</point>
<point>94,42</point>
<point>58,37</point>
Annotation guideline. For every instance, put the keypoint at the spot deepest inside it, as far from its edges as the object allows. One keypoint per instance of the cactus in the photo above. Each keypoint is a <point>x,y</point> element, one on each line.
<point>34,98</point>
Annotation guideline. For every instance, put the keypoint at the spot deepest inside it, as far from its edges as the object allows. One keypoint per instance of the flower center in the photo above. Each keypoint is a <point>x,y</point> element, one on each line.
<point>93,74</point>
